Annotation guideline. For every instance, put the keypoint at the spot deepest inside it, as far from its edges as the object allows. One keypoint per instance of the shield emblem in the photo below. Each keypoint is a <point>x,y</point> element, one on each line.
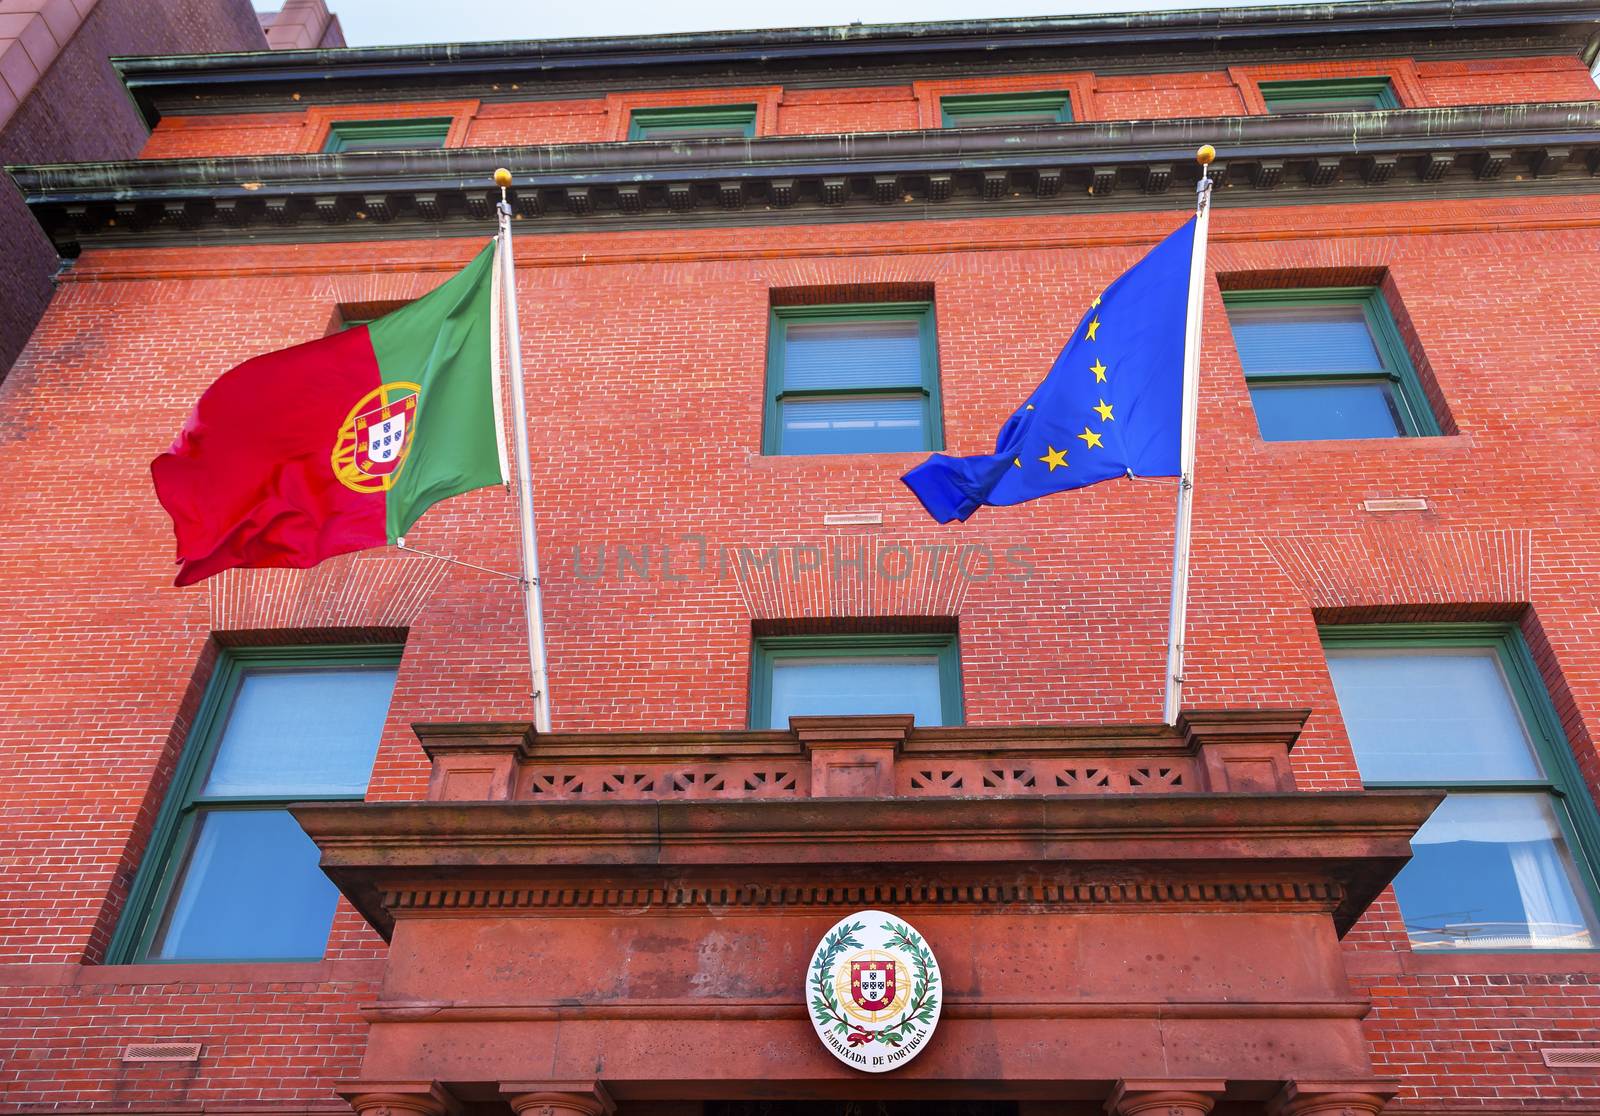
<point>872,984</point>
<point>381,436</point>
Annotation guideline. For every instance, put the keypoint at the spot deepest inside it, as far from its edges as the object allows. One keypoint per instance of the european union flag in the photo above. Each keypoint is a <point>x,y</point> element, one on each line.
<point>1111,406</point>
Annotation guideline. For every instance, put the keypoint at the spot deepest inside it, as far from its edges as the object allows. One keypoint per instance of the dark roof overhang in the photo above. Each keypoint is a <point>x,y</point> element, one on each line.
<point>1333,157</point>
<point>1171,40</point>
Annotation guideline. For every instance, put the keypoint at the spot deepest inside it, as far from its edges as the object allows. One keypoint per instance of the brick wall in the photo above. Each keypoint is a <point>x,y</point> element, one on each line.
<point>645,356</point>
<point>77,111</point>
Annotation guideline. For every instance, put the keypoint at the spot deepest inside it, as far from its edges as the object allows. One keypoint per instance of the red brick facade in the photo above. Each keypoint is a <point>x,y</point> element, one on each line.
<point>645,353</point>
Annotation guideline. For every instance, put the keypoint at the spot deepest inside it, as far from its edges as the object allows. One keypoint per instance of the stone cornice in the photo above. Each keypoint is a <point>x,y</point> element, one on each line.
<point>1334,849</point>
<point>1174,39</point>
<point>1329,157</point>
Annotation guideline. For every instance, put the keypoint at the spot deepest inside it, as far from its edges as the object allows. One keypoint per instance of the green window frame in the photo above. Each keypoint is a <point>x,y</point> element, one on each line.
<point>768,650</point>
<point>1413,414</point>
<point>925,389</point>
<point>387,135</point>
<point>996,109</point>
<point>1574,809</point>
<point>693,122</point>
<point>164,864</point>
<point>1360,94</point>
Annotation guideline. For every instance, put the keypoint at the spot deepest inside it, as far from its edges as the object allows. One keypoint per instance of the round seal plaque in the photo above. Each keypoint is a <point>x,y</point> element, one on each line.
<point>874,991</point>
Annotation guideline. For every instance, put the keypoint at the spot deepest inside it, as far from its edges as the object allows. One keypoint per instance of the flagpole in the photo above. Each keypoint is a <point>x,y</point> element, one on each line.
<point>1178,618</point>
<point>532,593</point>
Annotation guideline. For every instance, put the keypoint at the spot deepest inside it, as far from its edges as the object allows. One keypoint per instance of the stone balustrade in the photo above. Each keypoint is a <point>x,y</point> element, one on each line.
<point>865,757</point>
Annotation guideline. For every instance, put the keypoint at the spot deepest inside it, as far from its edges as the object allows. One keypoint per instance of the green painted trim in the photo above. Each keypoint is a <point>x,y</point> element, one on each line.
<point>641,121</point>
<point>158,870</point>
<point>933,404</point>
<point>766,649</point>
<point>387,135</point>
<point>965,108</point>
<point>1417,419</point>
<point>1575,807</point>
<point>1381,89</point>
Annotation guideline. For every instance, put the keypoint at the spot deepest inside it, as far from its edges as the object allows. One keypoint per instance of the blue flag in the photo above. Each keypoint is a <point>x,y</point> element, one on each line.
<point>1112,405</point>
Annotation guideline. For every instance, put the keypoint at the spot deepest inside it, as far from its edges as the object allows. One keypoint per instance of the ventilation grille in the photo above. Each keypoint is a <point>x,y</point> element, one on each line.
<point>1572,1057</point>
<point>162,1052</point>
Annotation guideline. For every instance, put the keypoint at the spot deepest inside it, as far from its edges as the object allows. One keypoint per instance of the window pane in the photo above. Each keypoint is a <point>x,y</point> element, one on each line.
<point>250,887</point>
<point>387,135</point>
<point>693,131</point>
<point>902,684</point>
<point>302,732</point>
<point>866,424</point>
<point>852,354</point>
<point>1445,715</point>
<point>1492,871</point>
<point>1358,102</point>
<point>972,119</point>
<point>1314,412</point>
<point>1303,339</point>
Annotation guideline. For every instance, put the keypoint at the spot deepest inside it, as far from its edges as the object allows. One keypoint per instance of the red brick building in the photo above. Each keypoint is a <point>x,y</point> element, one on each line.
<point>760,276</point>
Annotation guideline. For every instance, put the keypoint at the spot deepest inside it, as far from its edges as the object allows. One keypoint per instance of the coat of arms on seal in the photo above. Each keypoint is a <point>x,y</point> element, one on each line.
<point>874,990</point>
<point>375,437</point>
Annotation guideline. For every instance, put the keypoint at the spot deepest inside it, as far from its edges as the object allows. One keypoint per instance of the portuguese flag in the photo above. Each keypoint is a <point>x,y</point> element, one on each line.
<point>340,444</point>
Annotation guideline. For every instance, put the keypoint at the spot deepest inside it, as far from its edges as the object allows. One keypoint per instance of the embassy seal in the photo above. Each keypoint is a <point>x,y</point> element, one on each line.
<point>873,991</point>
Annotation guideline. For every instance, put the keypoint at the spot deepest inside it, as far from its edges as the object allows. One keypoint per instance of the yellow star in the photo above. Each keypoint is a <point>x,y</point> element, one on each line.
<point>1094,325</point>
<point>1029,407</point>
<point>1090,438</point>
<point>1095,303</point>
<point>1055,457</point>
<point>1105,411</point>
<point>1017,461</point>
<point>1099,371</point>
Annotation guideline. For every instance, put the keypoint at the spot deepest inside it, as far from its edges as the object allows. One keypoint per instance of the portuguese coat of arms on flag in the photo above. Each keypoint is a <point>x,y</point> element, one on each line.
<point>341,443</point>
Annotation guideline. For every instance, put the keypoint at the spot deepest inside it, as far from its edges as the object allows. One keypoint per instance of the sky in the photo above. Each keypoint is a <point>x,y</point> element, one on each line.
<point>375,22</point>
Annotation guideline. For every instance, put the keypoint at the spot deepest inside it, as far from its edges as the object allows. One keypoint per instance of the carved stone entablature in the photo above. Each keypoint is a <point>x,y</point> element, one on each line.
<point>1333,157</point>
<point>1202,851</point>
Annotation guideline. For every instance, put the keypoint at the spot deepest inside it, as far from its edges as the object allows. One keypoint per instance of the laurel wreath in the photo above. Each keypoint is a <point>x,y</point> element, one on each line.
<point>924,1000</point>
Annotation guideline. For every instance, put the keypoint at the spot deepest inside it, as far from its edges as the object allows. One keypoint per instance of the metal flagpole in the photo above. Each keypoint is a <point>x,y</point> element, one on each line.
<point>1179,616</point>
<point>533,596</point>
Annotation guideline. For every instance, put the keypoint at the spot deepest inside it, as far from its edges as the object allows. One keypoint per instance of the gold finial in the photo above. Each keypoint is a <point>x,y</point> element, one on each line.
<point>502,177</point>
<point>1205,155</point>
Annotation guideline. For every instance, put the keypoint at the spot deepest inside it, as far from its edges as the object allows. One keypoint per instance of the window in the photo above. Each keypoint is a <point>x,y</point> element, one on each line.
<point>1363,94</point>
<point>387,135</point>
<point>694,122</point>
<point>230,875</point>
<point>855,674</point>
<point>1326,363</point>
<point>852,379</point>
<point>1501,864</point>
<point>993,110</point>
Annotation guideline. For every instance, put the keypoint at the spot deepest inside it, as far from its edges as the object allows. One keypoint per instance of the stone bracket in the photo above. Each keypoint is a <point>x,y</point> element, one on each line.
<point>558,1098</point>
<point>398,1098</point>
<point>1166,1097</point>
